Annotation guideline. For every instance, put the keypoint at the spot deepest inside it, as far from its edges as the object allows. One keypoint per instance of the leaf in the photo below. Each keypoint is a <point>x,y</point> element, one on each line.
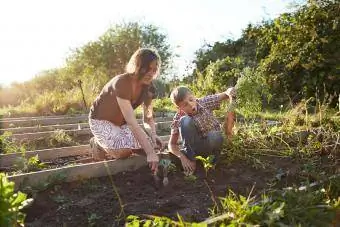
<point>324,40</point>
<point>11,203</point>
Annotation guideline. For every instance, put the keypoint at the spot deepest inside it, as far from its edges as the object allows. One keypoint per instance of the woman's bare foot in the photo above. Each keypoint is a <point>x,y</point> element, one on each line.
<point>98,154</point>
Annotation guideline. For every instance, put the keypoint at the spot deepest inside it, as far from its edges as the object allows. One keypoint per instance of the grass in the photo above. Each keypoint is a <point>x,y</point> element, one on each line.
<point>8,146</point>
<point>59,138</point>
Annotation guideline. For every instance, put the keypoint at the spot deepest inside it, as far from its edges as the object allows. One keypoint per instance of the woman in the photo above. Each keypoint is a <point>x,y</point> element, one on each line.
<point>112,119</point>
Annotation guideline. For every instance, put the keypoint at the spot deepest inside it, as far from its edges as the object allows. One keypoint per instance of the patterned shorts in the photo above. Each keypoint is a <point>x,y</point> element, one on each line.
<point>112,137</point>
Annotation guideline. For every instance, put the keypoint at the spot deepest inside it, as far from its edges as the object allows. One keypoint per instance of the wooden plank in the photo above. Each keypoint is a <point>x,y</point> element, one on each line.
<point>20,130</point>
<point>80,172</point>
<point>72,132</point>
<point>7,160</point>
<point>156,114</point>
<point>37,135</point>
<point>69,119</point>
<point>4,124</point>
<point>41,117</point>
<point>42,121</point>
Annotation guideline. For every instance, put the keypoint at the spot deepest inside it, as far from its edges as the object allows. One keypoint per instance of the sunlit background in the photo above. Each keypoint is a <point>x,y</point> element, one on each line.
<point>38,35</point>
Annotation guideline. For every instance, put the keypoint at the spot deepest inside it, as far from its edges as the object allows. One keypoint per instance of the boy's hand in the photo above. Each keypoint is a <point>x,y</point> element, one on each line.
<point>188,166</point>
<point>231,92</point>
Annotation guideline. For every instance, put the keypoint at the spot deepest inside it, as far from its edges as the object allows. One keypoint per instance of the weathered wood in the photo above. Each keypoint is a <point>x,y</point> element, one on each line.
<point>41,117</point>
<point>156,114</point>
<point>7,160</point>
<point>79,172</point>
<point>4,124</point>
<point>20,130</point>
<point>72,132</point>
<point>42,121</point>
<point>76,172</point>
<point>38,135</point>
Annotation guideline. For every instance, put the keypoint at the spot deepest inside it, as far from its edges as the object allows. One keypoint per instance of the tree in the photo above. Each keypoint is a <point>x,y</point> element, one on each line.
<point>103,59</point>
<point>303,57</point>
<point>218,76</point>
<point>95,63</point>
<point>296,52</point>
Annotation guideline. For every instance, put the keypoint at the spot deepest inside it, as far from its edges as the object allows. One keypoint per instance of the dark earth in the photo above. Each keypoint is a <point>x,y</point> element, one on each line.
<point>94,202</point>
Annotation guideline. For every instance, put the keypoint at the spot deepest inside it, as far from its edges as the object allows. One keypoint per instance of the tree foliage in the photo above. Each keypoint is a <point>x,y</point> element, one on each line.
<point>107,56</point>
<point>93,64</point>
<point>296,52</point>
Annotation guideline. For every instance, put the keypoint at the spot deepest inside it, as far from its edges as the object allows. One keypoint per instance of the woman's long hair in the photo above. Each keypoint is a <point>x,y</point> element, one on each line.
<point>140,61</point>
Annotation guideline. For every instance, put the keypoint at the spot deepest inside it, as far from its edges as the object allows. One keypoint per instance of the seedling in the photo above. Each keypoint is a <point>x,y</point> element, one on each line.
<point>190,178</point>
<point>208,162</point>
<point>93,218</point>
<point>164,165</point>
<point>60,199</point>
<point>27,165</point>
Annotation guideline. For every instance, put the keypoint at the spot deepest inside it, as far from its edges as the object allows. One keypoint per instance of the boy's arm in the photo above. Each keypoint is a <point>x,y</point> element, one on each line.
<point>173,144</point>
<point>213,102</point>
<point>228,94</point>
<point>222,96</point>
<point>229,118</point>
<point>174,148</point>
<point>188,166</point>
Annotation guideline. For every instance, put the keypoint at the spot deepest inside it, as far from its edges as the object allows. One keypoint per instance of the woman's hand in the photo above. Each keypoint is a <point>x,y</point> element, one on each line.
<point>153,160</point>
<point>129,116</point>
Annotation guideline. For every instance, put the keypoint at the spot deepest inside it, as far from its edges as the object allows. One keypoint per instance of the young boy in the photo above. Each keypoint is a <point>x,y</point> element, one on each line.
<point>200,130</point>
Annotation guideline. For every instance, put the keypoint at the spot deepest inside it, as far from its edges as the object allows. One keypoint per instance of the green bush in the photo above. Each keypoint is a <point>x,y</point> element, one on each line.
<point>11,203</point>
<point>163,105</point>
<point>8,146</point>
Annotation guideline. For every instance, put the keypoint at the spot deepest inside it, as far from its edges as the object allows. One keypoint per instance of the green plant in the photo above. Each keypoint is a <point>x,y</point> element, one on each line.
<point>11,203</point>
<point>27,165</point>
<point>8,146</point>
<point>163,105</point>
<point>52,180</point>
<point>151,220</point>
<point>208,162</point>
<point>240,210</point>
<point>190,178</point>
<point>172,168</point>
<point>115,190</point>
<point>60,199</point>
<point>93,218</point>
<point>60,138</point>
<point>292,207</point>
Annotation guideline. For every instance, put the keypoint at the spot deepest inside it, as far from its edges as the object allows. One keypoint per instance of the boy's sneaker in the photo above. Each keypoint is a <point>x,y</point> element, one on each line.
<point>97,153</point>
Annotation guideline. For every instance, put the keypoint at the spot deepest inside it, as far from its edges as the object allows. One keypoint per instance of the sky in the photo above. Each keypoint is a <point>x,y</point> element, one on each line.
<point>38,35</point>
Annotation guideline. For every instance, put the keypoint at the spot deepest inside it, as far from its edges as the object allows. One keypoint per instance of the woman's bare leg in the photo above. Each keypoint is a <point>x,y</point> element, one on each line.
<point>119,153</point>
<point>139,152</point>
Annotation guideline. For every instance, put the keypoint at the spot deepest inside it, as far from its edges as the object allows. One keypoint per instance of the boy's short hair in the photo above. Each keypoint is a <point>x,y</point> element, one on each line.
<point>178,94</point>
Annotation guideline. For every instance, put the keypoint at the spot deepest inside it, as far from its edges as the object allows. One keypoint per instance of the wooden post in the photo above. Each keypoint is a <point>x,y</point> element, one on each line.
<point>82,92</point>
